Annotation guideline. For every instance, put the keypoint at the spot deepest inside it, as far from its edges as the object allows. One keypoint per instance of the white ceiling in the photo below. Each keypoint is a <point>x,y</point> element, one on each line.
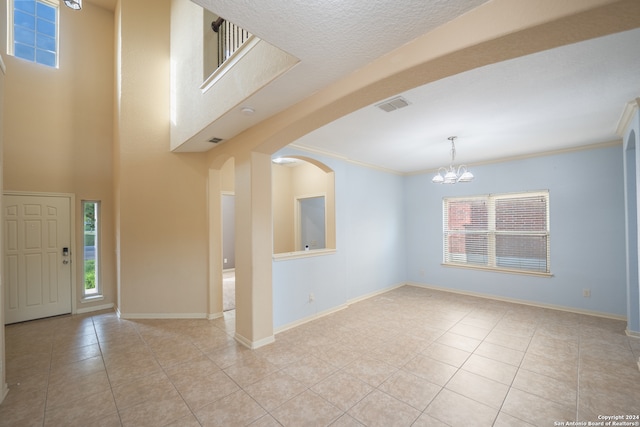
<point>562,98</point>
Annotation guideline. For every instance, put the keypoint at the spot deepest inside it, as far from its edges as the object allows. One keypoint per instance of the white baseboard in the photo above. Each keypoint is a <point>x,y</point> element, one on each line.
<point>213,316</point>
<point>334,309</point>
<point>375,293</point>
<point>254,344</point>
<point>162,315</point>
<point>309,318</point>
<point>633,334</point>
<point>94,308</point>
<point>520,301</point>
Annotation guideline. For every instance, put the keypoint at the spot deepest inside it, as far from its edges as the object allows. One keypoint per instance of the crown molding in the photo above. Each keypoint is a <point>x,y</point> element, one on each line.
<point>343,158</point>
<point>486,162</point>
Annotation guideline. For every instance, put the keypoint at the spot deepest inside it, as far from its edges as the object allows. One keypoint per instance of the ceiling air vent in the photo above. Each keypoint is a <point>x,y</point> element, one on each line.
<point>215,140</point>
<point>393,104</point>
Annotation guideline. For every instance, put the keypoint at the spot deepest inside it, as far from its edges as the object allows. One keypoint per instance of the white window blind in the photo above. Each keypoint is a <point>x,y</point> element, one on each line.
<point>498,231</point>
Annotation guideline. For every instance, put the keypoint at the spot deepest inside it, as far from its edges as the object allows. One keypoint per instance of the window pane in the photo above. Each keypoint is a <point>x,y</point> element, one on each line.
<point>522,252</point>
<point>469,248</point>
<point>24,36</point>
<point>46,27</point>
<point>22,19</point>
<point>24,52</point>
<point>28,6</point>
<point>46,12</point>
<point>46,43</point>
<point>468,215</point>
<point>46,58</point>
<point>523,214</point>
<point>91,248</point>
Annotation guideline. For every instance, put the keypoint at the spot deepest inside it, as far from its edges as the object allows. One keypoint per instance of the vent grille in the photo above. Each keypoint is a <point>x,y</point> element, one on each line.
<point>393,104</point>
<point>215,140</point>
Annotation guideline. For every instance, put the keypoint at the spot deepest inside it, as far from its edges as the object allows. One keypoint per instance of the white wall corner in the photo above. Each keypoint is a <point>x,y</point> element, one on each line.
<point>627,115</point>
<point>4,392</point>
<point>632,334</point>
<point>213,316</point>
<point>84,310</point>
<point>253,345</point>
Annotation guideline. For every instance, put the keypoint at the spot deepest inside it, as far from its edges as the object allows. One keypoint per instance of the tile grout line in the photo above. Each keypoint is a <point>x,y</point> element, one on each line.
<point>106,371</point>
<point>46,396</point>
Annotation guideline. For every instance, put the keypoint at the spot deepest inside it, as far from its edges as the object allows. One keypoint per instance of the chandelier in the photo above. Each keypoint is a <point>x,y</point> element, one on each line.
<point>453,174</point>
<point>74,4</point>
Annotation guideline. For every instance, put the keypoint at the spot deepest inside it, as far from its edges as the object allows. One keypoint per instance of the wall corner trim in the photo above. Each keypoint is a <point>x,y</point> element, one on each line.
<point>627,114</point>
<point>633,334</point>
<point>94,308</point>
<point>3,67</point>
<point>4,392</point>
<point>254,344</point>
<point>521,301</point>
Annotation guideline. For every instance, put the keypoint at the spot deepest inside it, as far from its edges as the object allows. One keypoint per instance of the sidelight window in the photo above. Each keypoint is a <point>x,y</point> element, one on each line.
<point>91,248</point>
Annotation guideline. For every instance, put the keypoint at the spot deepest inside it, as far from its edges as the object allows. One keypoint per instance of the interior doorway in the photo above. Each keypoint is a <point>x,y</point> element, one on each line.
<point>228,252</point>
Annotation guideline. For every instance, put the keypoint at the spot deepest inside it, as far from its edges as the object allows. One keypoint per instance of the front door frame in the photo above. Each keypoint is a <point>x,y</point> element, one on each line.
<point>72,230</point>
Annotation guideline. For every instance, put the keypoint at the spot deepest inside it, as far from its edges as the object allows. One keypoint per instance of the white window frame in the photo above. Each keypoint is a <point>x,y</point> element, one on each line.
<point>10,30</point>
<point>491,261</point>
<point>97,293</point>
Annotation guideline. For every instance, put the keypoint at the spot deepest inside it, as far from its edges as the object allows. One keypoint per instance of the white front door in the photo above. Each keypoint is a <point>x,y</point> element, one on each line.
<point>37,256</point>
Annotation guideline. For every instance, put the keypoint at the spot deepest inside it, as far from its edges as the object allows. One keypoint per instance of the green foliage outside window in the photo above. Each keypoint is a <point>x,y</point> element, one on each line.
<point>90,274</point>
<point>90,246</point>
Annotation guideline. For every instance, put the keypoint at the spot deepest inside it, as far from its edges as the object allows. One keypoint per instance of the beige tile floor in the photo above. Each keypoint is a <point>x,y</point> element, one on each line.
<point>411,356</point>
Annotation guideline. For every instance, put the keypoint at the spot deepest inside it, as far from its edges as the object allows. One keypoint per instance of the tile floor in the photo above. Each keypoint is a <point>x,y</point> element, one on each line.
<point>411,356</point>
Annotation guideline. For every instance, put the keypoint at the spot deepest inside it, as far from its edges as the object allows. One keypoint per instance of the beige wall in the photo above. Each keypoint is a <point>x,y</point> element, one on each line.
<point>162,203</point>
<point>283,236</point>
<point>3,375</point>
<point>58,128</point>
<point>291,183</point>
<point>195,109</point>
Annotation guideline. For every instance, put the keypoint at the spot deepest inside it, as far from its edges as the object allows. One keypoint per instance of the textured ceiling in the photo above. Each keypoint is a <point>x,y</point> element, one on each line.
<point>557,99</point>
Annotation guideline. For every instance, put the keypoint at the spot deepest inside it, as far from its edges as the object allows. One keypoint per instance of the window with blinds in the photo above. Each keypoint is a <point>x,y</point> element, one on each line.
<point>498,231</point>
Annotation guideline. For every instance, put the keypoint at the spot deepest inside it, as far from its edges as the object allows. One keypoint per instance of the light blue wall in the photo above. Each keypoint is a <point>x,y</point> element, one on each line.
<point>370,242</point>
<point>632,203</point>
<point>389,232</point>
<point>587,230</point>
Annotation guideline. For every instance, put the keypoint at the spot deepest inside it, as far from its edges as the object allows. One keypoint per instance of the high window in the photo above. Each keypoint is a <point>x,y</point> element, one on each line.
<point>498,231</point>
<point>33,31</point>
<point>91,249</point>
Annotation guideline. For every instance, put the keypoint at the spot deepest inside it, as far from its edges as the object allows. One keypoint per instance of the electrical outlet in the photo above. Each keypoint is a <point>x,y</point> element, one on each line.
<point>586,293</point>
<point>312,298</point>
<point>225,260</point>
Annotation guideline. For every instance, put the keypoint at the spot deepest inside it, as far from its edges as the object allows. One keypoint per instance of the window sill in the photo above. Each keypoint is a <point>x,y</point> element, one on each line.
<point>303,254</point>
<point>497,270</point>
<point>91,298</point>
